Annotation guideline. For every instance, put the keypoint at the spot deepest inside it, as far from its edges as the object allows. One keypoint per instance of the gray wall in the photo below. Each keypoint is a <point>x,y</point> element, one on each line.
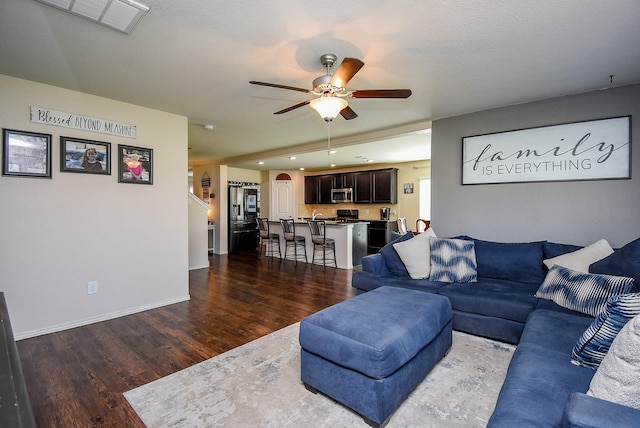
<point>578,212</point>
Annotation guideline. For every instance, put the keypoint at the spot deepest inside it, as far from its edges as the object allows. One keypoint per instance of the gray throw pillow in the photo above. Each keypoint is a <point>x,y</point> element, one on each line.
<point>618,377</point>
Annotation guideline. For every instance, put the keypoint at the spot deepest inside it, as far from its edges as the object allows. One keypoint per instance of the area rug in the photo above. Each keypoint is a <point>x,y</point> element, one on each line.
<point>258,385</point>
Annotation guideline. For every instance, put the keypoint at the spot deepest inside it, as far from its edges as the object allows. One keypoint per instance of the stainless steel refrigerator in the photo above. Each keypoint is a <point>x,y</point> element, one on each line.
<point>243,211</point>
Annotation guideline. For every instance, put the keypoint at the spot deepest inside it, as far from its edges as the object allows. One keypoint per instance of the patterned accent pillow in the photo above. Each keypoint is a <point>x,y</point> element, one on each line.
<point>453,260</point>
<point>583,292</point>
<point>595,342</point>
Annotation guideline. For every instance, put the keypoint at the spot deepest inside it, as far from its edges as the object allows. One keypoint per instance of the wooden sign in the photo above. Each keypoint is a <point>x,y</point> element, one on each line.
<point>48,116</point>
<point>590,150</point>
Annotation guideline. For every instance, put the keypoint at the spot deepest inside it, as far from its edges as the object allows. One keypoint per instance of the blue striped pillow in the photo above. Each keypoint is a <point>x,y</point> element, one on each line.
<point>453,260</point>
<point>595,342</point>
<point>583,292</point>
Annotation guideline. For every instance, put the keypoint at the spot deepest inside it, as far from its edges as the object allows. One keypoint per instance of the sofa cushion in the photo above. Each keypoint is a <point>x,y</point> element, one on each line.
<point>542,329</point>
<point>391,257</point>
<point>584,292</point>
<point>492,297</point>
<point>512,261</point>
<point>366,281</point>
<point>539,381</point>
<point>553,306</point>
<point>581,259</point>
<point>415,254</point>
<point>618,377</point>
<point>453,260</point>
<point>595,342</point>
<point>624,261</point>
<point>555,249</point>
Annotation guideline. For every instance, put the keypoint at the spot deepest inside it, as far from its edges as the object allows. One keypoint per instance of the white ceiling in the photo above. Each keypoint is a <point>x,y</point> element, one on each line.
<point>196,58</point>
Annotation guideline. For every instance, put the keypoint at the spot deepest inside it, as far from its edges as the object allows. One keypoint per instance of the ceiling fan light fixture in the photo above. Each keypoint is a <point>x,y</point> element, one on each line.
<point>328,107</point>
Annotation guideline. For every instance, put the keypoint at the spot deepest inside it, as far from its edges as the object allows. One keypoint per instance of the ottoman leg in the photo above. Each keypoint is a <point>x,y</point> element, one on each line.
<point>310,388</point>
<point>375,424</point>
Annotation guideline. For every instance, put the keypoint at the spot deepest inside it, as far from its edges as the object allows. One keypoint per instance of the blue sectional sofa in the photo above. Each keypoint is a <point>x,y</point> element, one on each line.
<point>542,387</point>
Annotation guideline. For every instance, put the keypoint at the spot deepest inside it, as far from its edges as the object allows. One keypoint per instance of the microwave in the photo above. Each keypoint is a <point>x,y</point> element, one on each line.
<point>341,195</point>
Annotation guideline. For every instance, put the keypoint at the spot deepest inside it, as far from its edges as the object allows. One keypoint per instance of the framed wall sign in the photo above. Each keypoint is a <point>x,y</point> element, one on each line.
<point>590,150</point>
<point>26,154</point>
<point>135,165</point>
<point>86,156</point>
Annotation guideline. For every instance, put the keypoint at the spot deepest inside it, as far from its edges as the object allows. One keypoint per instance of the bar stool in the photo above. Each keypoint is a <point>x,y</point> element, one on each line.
<point>267,238</point>
<point>320,241</point>
<point>291,239</point>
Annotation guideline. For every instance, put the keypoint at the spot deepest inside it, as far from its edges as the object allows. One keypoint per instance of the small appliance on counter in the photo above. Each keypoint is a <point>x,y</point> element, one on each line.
<point>384,213</point>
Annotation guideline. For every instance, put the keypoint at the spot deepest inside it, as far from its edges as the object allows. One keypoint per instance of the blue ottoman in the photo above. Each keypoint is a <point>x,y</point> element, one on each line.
<point>371,351</point>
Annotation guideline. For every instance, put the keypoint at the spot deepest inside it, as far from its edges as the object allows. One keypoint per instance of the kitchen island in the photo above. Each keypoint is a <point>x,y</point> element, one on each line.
<point>351,241</point>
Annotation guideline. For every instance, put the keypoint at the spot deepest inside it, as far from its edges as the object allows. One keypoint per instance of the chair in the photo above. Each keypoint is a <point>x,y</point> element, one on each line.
<point>293,240</point>
<point>402,225</point>
<point>267,238</point>
<point>320,241</point>
<point>424,224</point>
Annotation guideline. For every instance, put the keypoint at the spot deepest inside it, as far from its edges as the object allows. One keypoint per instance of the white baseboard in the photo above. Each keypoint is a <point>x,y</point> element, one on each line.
<point>104,317</point>
<point>199,267</point>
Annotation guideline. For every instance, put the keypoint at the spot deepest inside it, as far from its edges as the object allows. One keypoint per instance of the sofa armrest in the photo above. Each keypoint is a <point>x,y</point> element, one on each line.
<point>374,264</point>
<point>585,411</point>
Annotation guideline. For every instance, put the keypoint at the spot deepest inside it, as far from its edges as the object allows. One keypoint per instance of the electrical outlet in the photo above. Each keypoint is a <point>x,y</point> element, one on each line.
<point>92,287</point>
<point>366,211</point>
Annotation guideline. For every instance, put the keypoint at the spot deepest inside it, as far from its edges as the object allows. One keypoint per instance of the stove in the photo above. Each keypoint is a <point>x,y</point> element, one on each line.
<point>347,216</point>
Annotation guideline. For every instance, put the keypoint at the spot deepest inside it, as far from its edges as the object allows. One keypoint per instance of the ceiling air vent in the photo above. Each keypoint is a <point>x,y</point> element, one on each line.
<point>121,15</point>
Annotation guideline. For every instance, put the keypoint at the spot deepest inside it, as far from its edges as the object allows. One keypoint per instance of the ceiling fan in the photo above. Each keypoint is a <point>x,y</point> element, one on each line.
<point>332,92</point>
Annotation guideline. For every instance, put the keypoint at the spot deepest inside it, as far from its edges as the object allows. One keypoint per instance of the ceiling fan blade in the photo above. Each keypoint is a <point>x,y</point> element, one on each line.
<point>273,85</point>
<point>348,68</point>
<point>381,93</point>
<point>348,113</point>
<point>292,107</point>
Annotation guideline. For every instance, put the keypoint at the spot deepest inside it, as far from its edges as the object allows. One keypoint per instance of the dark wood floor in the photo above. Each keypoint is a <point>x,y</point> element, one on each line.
<point>76,377</point>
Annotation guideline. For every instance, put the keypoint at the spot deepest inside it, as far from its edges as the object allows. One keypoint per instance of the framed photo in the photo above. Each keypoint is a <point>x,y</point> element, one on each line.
<point>26,154</point>
<point>589,150</point>
<point>135,165</point>
<point>86,156</point>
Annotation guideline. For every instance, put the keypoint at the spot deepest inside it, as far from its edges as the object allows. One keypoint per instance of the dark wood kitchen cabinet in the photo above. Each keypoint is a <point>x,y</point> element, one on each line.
<point>343,181</point>
<point>310,189</point>
<point>374,186</point>
<point>385,186</point>
<point>362,187</point>
<point>325,184</point>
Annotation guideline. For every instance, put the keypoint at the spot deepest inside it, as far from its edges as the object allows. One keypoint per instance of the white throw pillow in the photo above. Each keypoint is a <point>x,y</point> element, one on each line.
<point>581,259</point>
<point>618,376</point>
<point>415,254</point>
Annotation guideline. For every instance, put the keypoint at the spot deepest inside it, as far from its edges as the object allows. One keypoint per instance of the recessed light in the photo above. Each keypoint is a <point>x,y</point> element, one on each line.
<point>333,165</point>
<point>260,162</point>
<point>208,127</point>
<point>332,152</point>
<point>301,168</point>
<point>292,157</point>
<point>370,160</point>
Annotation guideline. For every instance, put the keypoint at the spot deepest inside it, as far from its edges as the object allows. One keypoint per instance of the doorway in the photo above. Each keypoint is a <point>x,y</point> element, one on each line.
<point>425,198</point>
